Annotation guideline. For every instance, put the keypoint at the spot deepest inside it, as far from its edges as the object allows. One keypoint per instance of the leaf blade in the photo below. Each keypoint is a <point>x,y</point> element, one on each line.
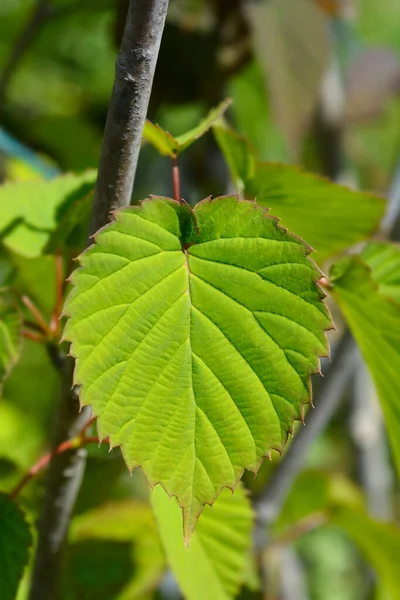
<point>187,319</point>
<point>330,217</point>
<point>219,547</point>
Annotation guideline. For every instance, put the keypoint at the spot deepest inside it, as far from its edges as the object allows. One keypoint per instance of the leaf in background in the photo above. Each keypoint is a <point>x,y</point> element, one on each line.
<point>374,321</point>
<point>372,79</point>
<point>292,43</point>
<point>328,216</point>
<point>196,332</point>
<point>252,114</point>
<point>239,155</point>
<point>168,145</point>
<point>30,210</point>
<point>127,561</point>
<point>10,338</point>
<point>384,262</point>
<point>214,564</point>
<point>15,540</point>
<point>343,505</point>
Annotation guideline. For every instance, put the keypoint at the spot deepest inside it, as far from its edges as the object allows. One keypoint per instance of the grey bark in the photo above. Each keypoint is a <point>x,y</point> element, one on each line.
<point>134,74</point>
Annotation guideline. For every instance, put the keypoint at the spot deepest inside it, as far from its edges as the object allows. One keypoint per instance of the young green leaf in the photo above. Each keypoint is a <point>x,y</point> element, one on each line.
<point>15,539</point>
<point>374,321</point>
<point>130,559</point>
<point>31,210</point>
<point>239,156</point>
<point>195,333</point>
<point>384,262</point>
<point>168,145</point>
<point>214,564</point>
<point>330,217</point>
<point>10,338</point>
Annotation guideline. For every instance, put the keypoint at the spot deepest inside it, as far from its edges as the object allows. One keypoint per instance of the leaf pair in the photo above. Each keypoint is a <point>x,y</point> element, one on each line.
<point>195,333</point>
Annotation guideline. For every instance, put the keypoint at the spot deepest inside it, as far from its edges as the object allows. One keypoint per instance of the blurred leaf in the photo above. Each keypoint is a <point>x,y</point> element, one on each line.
<point>168,145</point>
<point>377,22</point>
<point>252,115</point>
<point>10,338</point>
<point>21,438</point>
<point>127,561</point>
<point>30,210</point>
<point>35,277</point>
<point>344,507</point>
<point>372,78</point>
<point>216,560</point>
<point>247,277</point>
<point>238,153</point>
<point>15,539</point>
<point>293,45</point>
<point>384,261</point>
<point>328,216</point>
<point>375,323</point>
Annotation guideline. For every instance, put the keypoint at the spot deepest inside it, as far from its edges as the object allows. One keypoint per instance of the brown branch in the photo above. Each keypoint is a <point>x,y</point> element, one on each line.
<point>176,181</point>
<point>121,145</point>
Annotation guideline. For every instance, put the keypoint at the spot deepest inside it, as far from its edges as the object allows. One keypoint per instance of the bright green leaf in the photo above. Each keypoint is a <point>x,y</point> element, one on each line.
<point>186,139</point>
<point>196,332</point>
<point>239,155</point>
<point>130,562</point>
<point>330,217</point>
<point>214,564</point>
<point>375,323</point>
<point>168,145</point>
<point>384,261</point>
<point>15,539</point>
<point>162,140</point>
<point>31,210</point>
<point>10,338</point>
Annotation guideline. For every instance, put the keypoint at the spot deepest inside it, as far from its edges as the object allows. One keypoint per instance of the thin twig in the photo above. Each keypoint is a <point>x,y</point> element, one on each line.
<point>45,460</point>
<point>122,138</point>
<point>36,314</point>
<point>55,319</point>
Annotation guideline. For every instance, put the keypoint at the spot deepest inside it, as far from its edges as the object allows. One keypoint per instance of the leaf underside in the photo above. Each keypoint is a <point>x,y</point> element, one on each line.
<point>219,548</point>
<point>195,333</point>
<point>15,539</point>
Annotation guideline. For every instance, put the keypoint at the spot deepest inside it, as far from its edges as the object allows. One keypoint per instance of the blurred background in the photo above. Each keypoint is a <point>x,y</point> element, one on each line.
<point>313,82</point>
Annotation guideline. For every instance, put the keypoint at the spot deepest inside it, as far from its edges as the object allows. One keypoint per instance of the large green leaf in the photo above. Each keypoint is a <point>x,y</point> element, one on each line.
<point>342,503</point>
<point>330,217</point>
<point>15,539</point>
<point>169,145</point>
<point>31,210</point>
<point>214,564</point>
<point>384,261</point>
<point>10,338</point>
<point>127,561</point>
<point>374,321</point>
<point>195,333</point>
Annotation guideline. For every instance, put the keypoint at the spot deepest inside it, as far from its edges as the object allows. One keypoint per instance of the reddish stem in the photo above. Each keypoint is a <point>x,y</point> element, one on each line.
<point>55,319</point>
<point>176,180</point>
<point>32,335</point>
<point>37,315</point>
<point>45,460</point>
